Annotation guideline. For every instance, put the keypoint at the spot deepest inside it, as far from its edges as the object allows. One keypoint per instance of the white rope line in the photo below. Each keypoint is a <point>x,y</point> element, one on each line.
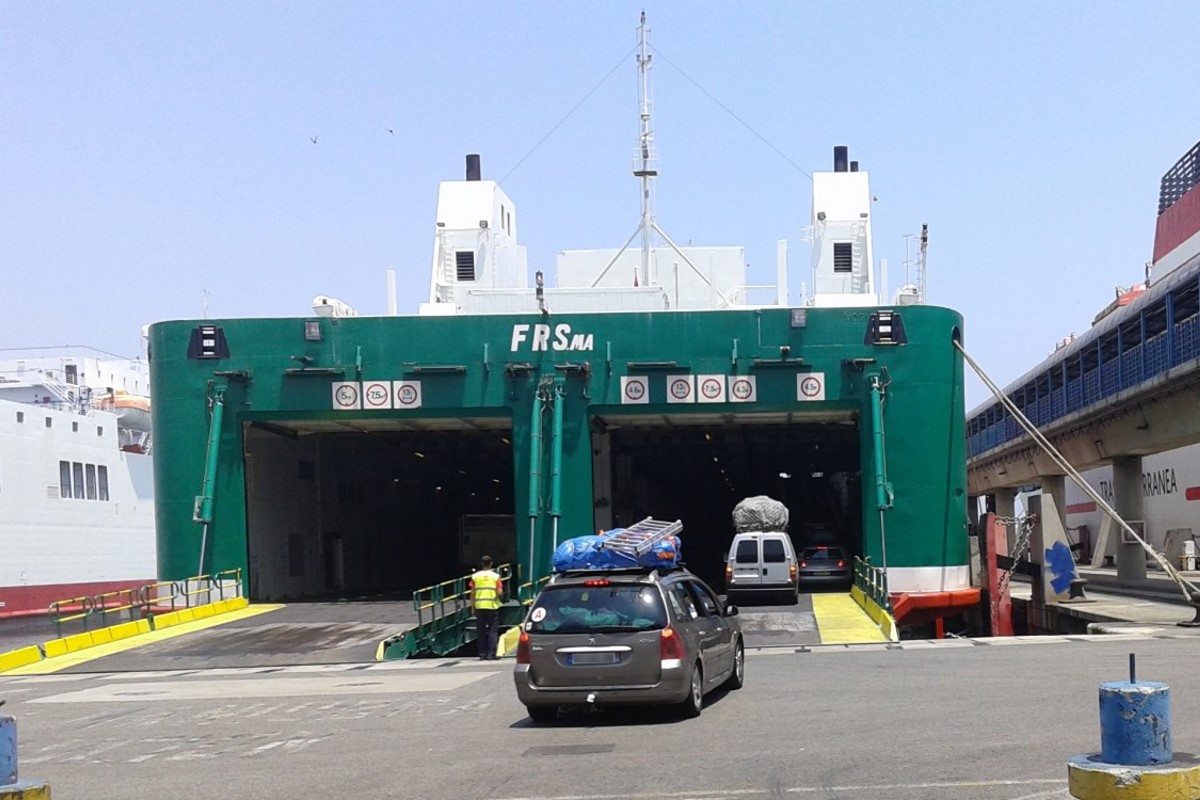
<point>1185,586</point>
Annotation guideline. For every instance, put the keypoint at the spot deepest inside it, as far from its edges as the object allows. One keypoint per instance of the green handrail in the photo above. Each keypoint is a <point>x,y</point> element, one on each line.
<point>872,582</point>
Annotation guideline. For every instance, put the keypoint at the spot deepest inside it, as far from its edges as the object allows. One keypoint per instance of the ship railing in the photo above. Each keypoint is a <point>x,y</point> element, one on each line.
<point>872,582</point>
<point>89,612</point>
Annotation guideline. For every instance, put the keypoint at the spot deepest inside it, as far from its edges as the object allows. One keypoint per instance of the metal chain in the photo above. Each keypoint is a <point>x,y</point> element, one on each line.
<point>1020,547</point>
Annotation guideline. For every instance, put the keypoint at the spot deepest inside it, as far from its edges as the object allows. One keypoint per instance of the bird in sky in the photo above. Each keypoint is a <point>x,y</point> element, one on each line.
<point>392,132</point>
<point>313,139</point>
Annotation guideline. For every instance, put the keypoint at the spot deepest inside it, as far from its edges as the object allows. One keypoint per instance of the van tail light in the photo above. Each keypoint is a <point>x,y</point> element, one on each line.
<point>670,645</point>
<point>523,648</point>
<point>728,574</point>
<point>792,573</point>
<point>841,564</point>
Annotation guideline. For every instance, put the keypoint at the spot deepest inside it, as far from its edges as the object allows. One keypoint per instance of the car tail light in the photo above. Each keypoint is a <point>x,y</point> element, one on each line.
<point>523,648</point>
<point>822,547</point>
<point>670,645</point>
<point>841,563</point>
<point>803,565</point>
<point>597,582</point>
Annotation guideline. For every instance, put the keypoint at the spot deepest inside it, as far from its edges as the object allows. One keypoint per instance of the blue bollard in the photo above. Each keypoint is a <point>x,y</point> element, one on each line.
<point>1135,723</point>
<point>8,751</point>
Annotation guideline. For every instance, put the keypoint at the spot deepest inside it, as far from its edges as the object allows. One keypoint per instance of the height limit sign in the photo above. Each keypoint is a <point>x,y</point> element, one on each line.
<point>810,386</point>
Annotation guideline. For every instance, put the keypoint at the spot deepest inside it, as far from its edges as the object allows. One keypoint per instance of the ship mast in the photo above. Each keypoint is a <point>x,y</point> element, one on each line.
<point>645,168</point>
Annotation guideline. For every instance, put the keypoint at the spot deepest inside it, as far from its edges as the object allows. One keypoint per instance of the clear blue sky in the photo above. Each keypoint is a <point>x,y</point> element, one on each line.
<point>153,153</point>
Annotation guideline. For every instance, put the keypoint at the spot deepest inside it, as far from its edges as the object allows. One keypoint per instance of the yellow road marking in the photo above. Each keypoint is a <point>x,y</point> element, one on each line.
<point>49,665</point>
<point>841,621</point>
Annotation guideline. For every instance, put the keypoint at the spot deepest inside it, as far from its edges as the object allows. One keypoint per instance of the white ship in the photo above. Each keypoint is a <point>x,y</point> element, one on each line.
<point>76,484</point>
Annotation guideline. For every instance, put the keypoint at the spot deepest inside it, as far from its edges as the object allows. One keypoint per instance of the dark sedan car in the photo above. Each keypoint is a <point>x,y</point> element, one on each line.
<point>824,564</point>
<point>626,637</point>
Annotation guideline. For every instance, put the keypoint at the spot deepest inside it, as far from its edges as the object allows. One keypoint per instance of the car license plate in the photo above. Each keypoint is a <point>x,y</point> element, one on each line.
<point>576,659</point>
<point>824,572</point>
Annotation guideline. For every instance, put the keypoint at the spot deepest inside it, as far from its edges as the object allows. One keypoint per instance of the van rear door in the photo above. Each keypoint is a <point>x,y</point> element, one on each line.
<point>775,558</point>
<point>747,563</point>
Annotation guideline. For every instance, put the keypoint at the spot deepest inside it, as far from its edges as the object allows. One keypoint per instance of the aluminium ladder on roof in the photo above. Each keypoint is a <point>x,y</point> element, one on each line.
<point>641,536</point>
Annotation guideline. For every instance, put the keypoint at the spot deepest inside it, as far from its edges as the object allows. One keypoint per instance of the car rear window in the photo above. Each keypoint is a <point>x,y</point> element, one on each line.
<point>826,553</point>
<point>584,609</point>
<point>747,551</point>
<point>773,552</point>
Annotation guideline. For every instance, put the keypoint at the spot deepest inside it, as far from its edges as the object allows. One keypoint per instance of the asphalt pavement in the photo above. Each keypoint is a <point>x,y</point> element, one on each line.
<point>961,719</point>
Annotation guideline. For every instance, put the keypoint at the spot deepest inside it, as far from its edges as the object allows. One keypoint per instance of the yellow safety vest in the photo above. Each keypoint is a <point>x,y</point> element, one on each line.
<point>485,590</point>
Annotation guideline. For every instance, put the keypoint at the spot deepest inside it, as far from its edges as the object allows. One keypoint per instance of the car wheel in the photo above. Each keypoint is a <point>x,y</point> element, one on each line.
<point>692,705</point>
<point>542,713</point>
<point>738,677</point>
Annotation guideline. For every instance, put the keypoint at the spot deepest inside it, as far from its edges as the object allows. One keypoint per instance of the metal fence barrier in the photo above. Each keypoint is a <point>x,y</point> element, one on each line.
<point>90,612</point>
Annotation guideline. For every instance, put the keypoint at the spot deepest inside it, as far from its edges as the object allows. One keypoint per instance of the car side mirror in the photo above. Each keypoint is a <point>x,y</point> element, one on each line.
<point>731,611</point>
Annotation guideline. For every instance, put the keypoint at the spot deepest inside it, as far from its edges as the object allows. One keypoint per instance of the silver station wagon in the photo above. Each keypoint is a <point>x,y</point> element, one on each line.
<point>641,636</point>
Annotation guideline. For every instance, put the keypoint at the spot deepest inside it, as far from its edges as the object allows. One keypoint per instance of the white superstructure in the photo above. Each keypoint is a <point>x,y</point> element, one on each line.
<point>479,267</point>
<point>76,485</point>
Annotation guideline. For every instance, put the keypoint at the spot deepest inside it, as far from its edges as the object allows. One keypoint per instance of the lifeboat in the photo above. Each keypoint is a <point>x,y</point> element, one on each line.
<point>132,410</point>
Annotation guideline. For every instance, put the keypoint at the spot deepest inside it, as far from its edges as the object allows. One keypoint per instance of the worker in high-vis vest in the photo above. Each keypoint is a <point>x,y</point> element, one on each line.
<point>485,593</point>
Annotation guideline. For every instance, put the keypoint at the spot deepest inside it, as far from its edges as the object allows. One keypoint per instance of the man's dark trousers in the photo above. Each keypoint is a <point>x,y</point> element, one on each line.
<point>487,631</point>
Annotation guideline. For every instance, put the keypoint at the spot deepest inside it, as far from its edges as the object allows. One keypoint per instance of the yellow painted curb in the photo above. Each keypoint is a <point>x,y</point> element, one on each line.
<point>1095,780</point>
<point>842,621</point>
<point>25,790</point>
<point>508,641</point>
<point>72,650</point>
<point>19,658</point>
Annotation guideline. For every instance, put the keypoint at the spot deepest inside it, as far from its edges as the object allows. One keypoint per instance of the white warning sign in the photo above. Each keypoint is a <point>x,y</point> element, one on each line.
<point>681,388</point>
<point>710,388</point>
<point>406,394</point>
<point>743,389</point>
<point>635,390</point>
<point>346,396</point>
<point>377,394</point>
<point>810,386</point>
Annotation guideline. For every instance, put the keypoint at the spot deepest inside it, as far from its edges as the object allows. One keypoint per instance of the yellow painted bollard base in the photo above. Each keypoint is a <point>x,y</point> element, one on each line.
<point>25,790</point>
<point>1090,779</point>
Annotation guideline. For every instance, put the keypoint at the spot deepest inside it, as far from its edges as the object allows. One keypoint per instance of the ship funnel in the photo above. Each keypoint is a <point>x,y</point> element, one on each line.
<point>854,166</point>
<point>473,167</point>
<point>841,154</point>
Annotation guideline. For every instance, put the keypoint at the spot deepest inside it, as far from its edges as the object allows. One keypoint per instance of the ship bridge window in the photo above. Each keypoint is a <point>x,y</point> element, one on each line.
<point>91,481</point>
<point>464,262</point>
<point>102,481</point>
<point>843,260</point>
<point>77,479</point>
<point>20,416</point>
<point>64,479</point>
<point>49,422</point>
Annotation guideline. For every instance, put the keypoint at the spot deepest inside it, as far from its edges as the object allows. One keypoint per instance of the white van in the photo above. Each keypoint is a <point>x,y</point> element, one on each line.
<point>761,563</point>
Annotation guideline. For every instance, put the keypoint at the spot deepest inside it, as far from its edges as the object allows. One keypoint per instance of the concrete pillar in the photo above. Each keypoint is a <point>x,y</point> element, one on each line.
<point>1127,501</point>
<point>1048,545</point>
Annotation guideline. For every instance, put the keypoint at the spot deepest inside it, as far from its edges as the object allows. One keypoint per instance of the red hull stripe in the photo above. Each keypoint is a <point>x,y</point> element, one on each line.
<point>1081,508</point>
<point>22,601</point>
<point>1192,493</point>
<point>1177,224</point>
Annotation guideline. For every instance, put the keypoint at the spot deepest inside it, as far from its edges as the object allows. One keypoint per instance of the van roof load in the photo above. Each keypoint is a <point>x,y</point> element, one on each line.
<point>760,513</point>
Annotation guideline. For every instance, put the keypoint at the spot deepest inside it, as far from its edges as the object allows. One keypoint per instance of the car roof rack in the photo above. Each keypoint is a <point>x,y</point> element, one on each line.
<point>638,538</point>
